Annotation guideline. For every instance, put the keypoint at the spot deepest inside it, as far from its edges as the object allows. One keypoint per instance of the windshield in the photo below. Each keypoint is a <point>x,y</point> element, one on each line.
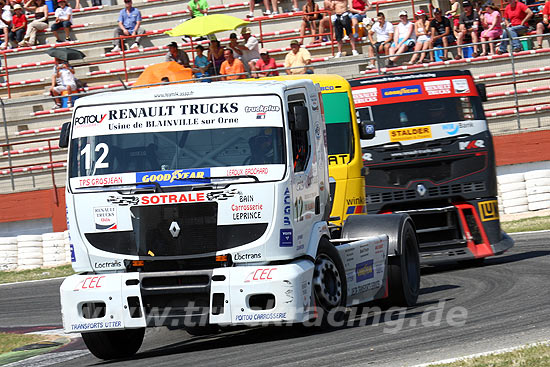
<point>338,120</point>
<point>423,112</point>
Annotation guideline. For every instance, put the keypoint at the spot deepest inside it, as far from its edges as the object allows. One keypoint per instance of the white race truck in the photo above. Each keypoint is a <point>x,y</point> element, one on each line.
<point>208,205</point>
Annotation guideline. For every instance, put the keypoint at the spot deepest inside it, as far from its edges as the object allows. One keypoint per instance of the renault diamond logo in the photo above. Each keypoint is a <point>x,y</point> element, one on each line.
<point>174,229</point>
<point>421,189</point>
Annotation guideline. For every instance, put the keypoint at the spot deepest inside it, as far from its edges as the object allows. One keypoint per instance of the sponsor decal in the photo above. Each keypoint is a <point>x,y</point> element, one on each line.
<point>421,189</point>
<point>73,256</point>
<point>260,274</point>
<point>417,152</point>
<point>240,257</point>
<point>451,129</point>
<point>488,210</point>
<point>461,86</point>
<point>96,325</point>
<point>471,144</point>
<point>247,211</point>
<point>123,200</point>
<point>338,159</point>
<point>411,133</point>
<point>365,95</point>
<point>105,218</point>
<point>364,271</point>
<point>356,209</point>
<point>367,156</point>
<point>260,116</point>
<point>286,208</point>
<point>261,316</point>
<point>176,177</point>
<point>409,90</point>
<point>327,87</point>
<point>100,181</point>
<point>255,171</point>
<point>89,120</point>
<point>188,197</point>
<point>108,265</point>
<point>438,87</point>
<point>89,283</point>
<point>222,194</point>
<point>262,108</point>
<point>286,238</point>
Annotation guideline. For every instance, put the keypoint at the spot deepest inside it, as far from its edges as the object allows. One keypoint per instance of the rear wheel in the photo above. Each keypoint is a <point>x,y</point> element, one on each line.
<point>114,344</point>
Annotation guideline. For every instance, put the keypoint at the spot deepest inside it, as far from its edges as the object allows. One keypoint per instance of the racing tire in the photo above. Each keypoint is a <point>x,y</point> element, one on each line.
<point>329,284</point>
<point>114,344</point>
<point>404,271</point>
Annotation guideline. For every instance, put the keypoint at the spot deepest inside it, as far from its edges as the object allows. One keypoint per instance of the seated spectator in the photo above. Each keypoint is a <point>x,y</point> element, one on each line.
<point>491,21</point>
<point>516,15</point>
<point>5,23</point>
<point>63,19</point>
<point>216,57</point>
<point>384,37</point>
<point>358,13</point>
<point>177,55</point>
<point>403,38</point>
<point>422,30</point>
<point>230,66</point>
<point>266,11</point>
<point>201,63</point>
<point>469,25</point>
<point>129,20</point>
<point>39,23</point>
<point>324,23</point>
<point>250,49</point>
<point>63,79</point>
<point>266,63</point>
<point>197,8</point>
<point>297,57</point>
<point>542,27</point>
<point>440,28</point>
<point>310,21</point>
<point>233,43</point>
<point>18,25</point>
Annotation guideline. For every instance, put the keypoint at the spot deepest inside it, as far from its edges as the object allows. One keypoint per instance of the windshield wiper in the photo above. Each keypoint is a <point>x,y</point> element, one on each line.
<point>137,187</point>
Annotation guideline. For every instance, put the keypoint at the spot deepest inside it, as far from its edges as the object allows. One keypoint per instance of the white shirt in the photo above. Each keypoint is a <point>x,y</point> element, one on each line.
<point>64,14</point>
<point>6,15</point>
<point>403,29</point>
<point>253,51</point>
<point>382,33</point>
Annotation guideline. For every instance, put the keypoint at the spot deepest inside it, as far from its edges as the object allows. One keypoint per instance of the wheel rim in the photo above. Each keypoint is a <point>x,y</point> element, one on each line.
<point>327,283</point>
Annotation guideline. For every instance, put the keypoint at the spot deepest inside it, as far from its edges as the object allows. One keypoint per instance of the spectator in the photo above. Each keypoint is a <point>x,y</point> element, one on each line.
<point>324,23</point>
<point>129,20</point>
<point>201,63</point>
<point>297,57</point>
<point>39,23</point>
<point>266,11</point>
<point>453,15</point>
<point>310,21</point>
<point>177,55</point>
<point>265,64</point>
<point>384,36</point>
<point>30,6</point>
<point>440,29</point>
<point>62,80</point>
<point>491,21</point>
<point>404,38</point>
<point>233,43</point>
<point>516,15</point>
<point>468,26</point>
<point>250,49</point>
<point>422,31</point>
<point>359,12</point>
<point>215,56</point>
<point>63,19</point>
<point>197,8</point>
<point>230,66</point>
<point>18,25</point>
<point>543,27</point>
<point>340,21</point>
<point>5,22</point>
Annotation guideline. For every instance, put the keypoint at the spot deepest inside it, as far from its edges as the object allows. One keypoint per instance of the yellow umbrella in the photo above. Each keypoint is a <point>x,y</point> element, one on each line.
<point>202,26</point>
<point>172,70</point>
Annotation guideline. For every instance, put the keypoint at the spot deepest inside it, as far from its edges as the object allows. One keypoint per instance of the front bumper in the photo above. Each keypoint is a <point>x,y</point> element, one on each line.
<point>241,295</point>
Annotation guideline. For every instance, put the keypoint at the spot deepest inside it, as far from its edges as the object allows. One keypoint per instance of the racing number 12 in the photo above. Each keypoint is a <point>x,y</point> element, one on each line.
<point>88,157</point>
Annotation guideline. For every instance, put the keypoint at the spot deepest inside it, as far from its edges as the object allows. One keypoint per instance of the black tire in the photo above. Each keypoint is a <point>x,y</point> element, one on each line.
<point>404,270</point>
<point>114,344</point>
<point>329,283</point>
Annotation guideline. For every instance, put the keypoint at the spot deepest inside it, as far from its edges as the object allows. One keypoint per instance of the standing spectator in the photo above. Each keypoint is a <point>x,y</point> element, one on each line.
<point>197,8</point>
<point>422,30</point>
<point>265,64</point>
<point>39,23</point>
<point>440,28</point>
<point>469,26</point>
<point>491,21</point>
<point>310,21</point>
<point>5,22</point>
<point>62,80</point>
<point>384,36</point>
<point>63,19</point>
<point>453,15</point>
<point>340,21</point>
<point>230,66</point>
<point>18,25</point>
<point>266,5</point>
<point>543,27</point>
<point>516,15</point>
<point>250,49</point>
<point>403,38</point>
<point>297,57</point>
<point>324,23</point>
<point>177,55</point>
<point>358,13</point>
<point>233,43</point>
<point>215,56</point>
<point>129,20</point>
<point>201,64</point>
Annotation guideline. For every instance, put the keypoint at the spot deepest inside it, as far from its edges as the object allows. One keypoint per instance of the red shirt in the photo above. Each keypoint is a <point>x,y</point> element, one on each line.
<point>358,5</point>
<point>19,20</point>
<point>517,14</point>
<point>260,64</point>
<point>546,10</point>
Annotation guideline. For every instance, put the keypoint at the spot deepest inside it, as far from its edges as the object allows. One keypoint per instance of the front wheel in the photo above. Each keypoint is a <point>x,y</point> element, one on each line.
<point>114,344</point>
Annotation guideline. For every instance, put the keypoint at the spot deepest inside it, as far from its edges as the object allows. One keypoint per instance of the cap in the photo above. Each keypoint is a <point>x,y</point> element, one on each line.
<point>171,44</point>
<point>233,36</point>
<point>246,30</point>
<point>403,12</point>
<point>263,51</point>
<point>420,13</point>
<point>437,10</point>
<point>6,7</point>
<point>17,6</point>
<point>294,42</point>
<point>466,3</point>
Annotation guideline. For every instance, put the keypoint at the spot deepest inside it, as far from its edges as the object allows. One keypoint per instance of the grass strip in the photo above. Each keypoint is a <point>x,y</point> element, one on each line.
<point>35,274</point>
<point>527,224</point>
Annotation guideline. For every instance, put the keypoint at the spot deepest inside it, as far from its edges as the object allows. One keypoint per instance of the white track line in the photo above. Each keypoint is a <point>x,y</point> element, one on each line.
<point>31,281</point>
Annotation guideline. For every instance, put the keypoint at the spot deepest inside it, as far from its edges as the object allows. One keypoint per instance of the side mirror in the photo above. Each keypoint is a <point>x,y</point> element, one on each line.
<point>482,91</point>
<point>64,135</point>
<point>301,119</point>
<point>366,130</point>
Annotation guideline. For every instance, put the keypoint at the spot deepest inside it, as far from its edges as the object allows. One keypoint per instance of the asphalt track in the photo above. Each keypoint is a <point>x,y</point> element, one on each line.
<point>507,303</point>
